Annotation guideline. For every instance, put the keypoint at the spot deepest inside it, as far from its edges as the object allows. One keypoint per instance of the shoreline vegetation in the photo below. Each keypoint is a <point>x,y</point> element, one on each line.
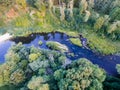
<point>96,43</point>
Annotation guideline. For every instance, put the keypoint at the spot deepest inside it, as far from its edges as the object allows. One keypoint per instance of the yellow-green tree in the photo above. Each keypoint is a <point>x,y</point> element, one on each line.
<point>21,3</point>
<point>99,23</point>
<point>37,83</point>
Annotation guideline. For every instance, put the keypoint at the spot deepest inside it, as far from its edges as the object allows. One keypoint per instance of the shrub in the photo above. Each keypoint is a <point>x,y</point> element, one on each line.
<point>40,43</point>
<point>76,41</point>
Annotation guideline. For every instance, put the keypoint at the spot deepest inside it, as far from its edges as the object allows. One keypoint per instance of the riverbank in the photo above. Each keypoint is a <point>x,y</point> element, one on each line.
<point>73,51</point>
<point>101,45</point>
<point>95,42</point>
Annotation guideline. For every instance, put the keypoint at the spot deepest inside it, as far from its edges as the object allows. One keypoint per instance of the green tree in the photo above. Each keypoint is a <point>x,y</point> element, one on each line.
<point>37,83</point>
<point>40,5</point>
<point>80,75</point>
<point>17,76</point>
<point>99,23</point>
<point>83,6</point>
<point>115,14</point>
<point>21,3</point>
<point>112,83</point>
<point>105,6</point>
<point>6,2</point>
<point>33,57</point>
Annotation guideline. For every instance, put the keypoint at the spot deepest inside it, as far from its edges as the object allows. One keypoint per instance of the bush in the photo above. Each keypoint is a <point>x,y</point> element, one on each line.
<point>76,41</point>
<point>40,43</point>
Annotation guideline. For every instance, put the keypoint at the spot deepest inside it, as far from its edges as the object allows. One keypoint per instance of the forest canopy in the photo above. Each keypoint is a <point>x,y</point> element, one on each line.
<point>37,68</point>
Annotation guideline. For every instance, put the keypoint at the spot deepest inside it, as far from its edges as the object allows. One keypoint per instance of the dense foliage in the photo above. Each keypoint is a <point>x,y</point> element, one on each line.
<point>37,69</point>
<point>20,61</point>
<point>112,83</point>
<point>80,75</point>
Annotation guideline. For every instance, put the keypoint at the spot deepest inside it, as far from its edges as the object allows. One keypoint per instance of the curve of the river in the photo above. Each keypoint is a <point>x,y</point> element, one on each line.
<point>108,63</point>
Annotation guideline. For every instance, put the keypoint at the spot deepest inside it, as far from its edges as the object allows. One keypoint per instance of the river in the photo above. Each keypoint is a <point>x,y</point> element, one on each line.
<point>108,62</point>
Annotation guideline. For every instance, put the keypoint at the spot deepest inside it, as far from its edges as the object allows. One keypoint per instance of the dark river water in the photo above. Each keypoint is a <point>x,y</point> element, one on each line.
<point>108,62</point>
